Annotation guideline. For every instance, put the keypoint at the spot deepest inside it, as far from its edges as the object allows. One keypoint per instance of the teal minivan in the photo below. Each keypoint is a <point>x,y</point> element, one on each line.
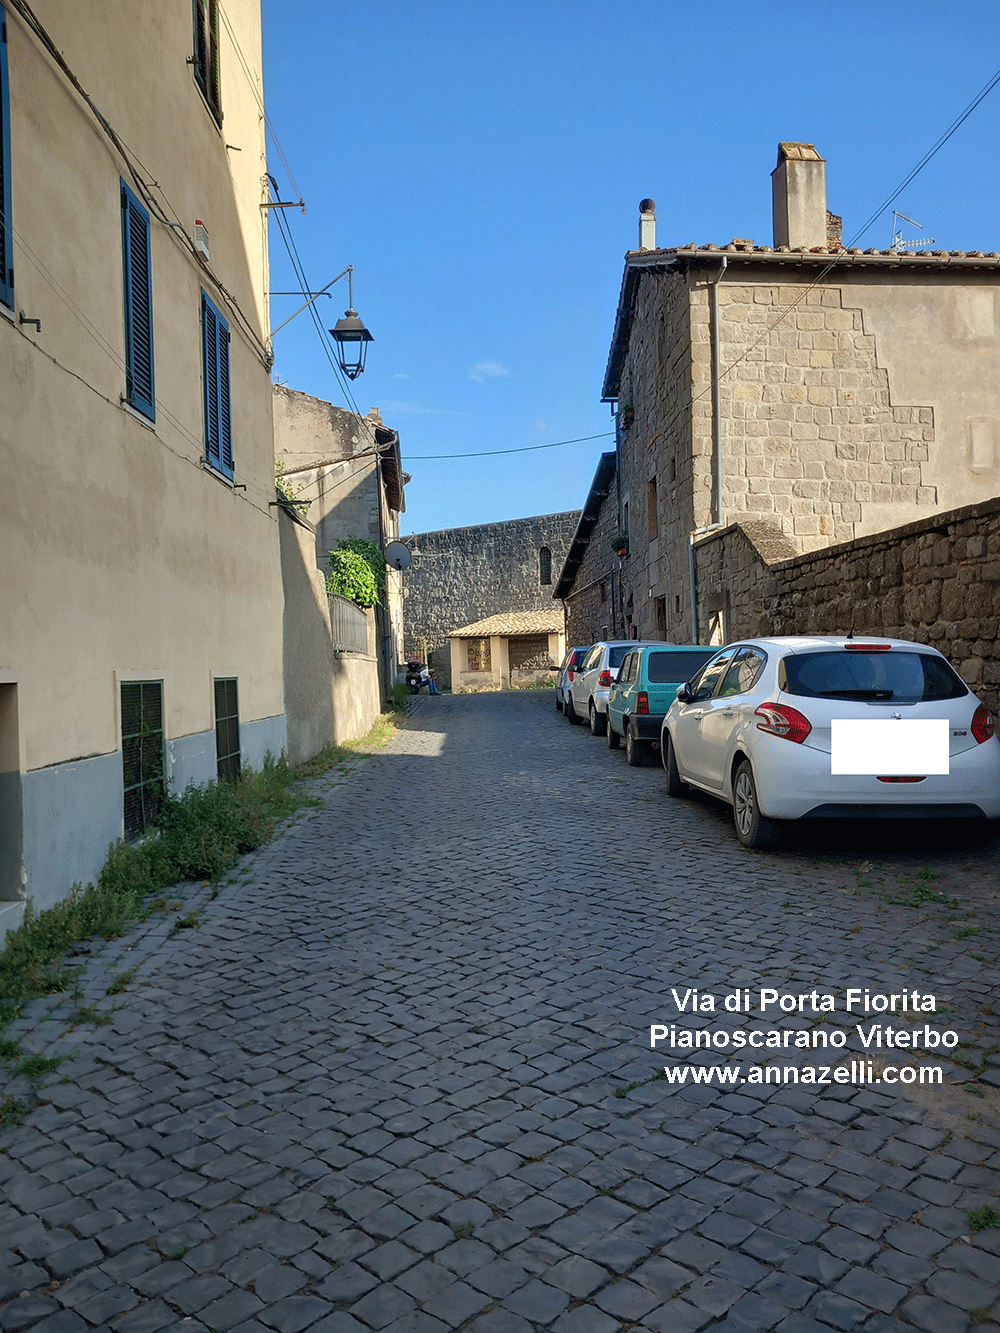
<point>646,687</point>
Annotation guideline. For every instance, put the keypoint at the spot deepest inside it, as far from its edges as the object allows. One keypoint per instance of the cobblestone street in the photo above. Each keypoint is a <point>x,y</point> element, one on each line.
<point>399,1077</point>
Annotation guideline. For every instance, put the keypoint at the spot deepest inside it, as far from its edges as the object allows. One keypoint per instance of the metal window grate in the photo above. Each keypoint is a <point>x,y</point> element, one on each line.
<point>142,753</point>
<point>227,730</point>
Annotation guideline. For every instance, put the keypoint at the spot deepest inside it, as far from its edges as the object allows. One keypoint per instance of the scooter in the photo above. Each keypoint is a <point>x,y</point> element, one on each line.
<point>414,676</point>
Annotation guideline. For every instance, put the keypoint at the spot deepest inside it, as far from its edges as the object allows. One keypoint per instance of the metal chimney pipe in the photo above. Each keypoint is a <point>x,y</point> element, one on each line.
<point>647,224</point>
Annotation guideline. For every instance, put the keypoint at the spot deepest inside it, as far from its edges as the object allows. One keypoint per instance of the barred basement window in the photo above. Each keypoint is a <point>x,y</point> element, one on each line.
<point>142,753</point>
<point>227,730</point>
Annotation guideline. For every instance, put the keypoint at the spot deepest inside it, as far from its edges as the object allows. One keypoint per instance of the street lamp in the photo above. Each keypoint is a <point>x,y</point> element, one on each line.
<point>351,336</point>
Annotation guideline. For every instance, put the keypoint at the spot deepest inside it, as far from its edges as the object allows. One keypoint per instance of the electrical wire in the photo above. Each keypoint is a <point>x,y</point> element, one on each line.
<point>526,449</point>
<point>828,268</point>
<point>138,174</point>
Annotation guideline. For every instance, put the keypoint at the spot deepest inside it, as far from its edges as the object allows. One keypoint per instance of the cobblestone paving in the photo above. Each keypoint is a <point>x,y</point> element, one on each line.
<point>400,1079</point>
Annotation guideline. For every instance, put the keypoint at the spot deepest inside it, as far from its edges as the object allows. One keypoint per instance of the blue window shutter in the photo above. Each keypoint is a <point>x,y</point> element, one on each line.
<point>6,228</point>
<point>218,417</point>
<point>138,281</point>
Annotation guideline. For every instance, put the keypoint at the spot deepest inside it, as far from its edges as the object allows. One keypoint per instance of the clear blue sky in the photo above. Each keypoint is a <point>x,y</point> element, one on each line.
<point>481,167</point>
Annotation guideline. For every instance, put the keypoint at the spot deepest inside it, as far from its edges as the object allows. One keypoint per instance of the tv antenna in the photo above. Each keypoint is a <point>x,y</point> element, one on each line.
<point>898,244</point>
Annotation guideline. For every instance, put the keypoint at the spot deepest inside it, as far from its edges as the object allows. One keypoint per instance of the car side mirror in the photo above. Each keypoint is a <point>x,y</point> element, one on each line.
<point>684,693</point>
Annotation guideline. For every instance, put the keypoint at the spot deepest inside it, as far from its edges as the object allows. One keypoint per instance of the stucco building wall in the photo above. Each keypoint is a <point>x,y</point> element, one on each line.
<point>122,557</point>
<point>463,575</point>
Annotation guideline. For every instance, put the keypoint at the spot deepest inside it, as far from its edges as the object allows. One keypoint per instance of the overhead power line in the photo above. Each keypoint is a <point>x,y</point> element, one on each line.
<point>526,449</point>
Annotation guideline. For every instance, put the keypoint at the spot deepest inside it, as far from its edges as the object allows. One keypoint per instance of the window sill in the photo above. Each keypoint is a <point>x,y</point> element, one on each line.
<point>136,415</point>
<point>227,481</point>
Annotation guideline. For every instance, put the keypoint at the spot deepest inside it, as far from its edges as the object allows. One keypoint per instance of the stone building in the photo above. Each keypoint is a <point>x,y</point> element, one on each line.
<point>826,393</point>
<point>140,580</point>
<point>591,582</point>
<point>522,649</point>
<point>463,575</point>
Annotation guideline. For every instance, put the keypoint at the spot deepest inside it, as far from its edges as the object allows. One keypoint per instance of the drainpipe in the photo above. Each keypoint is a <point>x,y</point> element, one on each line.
<point>717,394</point>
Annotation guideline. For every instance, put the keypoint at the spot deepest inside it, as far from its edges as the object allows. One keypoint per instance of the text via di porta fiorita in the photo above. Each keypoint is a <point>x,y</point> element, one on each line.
<point>889,1026</point>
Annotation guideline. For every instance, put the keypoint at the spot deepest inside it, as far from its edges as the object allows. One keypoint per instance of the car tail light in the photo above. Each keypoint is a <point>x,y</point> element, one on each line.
<point>605,679</point>
<point>642,702</point>
<point>569,675</point>
<point>902,779</point>
<point>983,725</point>
<point>780,720</point>
<point>868,647</point>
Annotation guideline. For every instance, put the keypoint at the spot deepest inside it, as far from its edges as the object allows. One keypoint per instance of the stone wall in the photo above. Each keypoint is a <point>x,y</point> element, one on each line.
<point>462,575</point>
<point>596,607</point>
<point>936,581</point>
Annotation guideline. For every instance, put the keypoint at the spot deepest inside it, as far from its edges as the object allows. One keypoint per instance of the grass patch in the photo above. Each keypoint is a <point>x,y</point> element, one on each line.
<point>35,1067</point>
<point>120,981</point>
<point>201,836</point>
<point>12,1112</point>
<point>984,1219</point>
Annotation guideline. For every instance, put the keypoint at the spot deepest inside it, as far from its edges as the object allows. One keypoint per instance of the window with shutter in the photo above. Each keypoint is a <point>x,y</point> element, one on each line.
<point>138,289</point>
<point>215,358</point>
<point>206,54</point>
<point>6,229</point>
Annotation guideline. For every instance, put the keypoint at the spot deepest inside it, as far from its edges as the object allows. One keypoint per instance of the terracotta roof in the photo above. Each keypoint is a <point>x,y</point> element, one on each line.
<point>744,253</point>
<point>512,623</point>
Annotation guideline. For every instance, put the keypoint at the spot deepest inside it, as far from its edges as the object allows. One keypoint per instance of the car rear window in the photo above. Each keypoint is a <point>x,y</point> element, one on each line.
<point>898,675</point>
<point>616,656</point>
<point>674,668</point>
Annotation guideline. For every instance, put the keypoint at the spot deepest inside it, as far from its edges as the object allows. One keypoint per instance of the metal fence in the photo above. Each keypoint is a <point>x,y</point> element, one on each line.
<point>348,625</point>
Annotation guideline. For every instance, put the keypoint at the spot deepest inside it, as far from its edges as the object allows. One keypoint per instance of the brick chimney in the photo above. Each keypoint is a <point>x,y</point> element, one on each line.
<point>647,224</point>
<point>798,194</point>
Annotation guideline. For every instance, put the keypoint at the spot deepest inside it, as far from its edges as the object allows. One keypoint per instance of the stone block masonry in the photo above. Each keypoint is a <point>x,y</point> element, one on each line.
<point>936,581</point>
<point>463,575</point>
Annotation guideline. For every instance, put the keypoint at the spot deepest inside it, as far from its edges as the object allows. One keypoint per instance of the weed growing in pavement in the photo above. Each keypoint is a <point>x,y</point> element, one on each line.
<point>966,932</point>
<point>465,1230</point>
<point>120,981</point>
<point>9,1050</point>
<point>35,1067</point>
<point>190,921</point>
<point>980,1314</point>
<point>179,1253</point>
<point>976,1092</point>
<point>984,1219</point>
<point>12,1112</point>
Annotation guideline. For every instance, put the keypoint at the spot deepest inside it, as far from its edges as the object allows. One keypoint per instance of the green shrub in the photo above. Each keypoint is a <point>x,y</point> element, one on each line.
<point>351,577</point>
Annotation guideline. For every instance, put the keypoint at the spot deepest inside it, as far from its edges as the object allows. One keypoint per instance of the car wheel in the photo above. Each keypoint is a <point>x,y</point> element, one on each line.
<point>675,786</point>
<point>598,721</point>
<point>569,712</point>
<point>614,740</point>
<point>753,829</point>
<point>634,751</point>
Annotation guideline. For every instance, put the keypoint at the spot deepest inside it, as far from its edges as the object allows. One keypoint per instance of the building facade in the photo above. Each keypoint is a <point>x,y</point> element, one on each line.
<point>463,575</point>
<point>825,392</point>
<point>140,582</point>
<point>347,469</point>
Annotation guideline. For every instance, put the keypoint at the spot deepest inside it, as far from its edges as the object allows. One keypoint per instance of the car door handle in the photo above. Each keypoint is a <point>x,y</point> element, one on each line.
<point>728,712</point>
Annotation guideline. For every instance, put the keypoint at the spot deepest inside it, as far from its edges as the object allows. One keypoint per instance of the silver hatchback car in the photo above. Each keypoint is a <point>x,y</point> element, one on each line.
<point>588,695</point>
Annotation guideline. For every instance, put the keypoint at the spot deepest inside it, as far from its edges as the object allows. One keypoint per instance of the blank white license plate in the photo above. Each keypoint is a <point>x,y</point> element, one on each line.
<point>889,747</point>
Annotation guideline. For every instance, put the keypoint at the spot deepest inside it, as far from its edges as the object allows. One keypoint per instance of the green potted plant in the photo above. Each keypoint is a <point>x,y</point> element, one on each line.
<point>627,416</point>
<point>619,544</point>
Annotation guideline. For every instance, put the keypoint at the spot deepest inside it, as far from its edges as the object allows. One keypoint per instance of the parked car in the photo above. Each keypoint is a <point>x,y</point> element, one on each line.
<point>570,666</point>
<point>762,727</point>
<point>645,689</point>
<point>588,695</point>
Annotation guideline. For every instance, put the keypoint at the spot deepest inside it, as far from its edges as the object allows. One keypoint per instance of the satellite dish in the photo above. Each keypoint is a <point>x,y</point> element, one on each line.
<point>398,556</point>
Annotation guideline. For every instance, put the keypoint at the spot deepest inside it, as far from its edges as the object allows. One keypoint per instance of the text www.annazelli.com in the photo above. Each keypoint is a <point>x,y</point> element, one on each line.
<point>856,1071</point>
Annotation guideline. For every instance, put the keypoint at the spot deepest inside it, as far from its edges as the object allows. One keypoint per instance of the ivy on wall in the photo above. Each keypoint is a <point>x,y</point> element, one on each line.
<point>357,571</point>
